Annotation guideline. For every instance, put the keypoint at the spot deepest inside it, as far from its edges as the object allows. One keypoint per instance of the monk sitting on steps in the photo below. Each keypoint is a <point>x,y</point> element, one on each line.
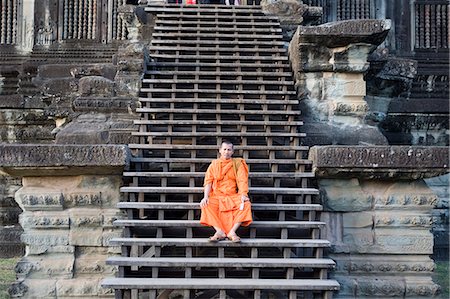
<point>225,204</point>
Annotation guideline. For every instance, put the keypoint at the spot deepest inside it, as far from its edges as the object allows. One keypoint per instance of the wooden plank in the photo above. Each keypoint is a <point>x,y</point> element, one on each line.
<point>215,147</point>
<point>197,190</point>
<point>286,175</point>
<point>204,242</point>
<point>220,283</point>
<point>187,206</point>
<point>221,262</point>
<point>213,111</point>
<point>217,134</point>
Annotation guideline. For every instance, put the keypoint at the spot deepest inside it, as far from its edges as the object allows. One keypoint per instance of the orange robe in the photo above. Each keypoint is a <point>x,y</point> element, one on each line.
<point>223,209</point>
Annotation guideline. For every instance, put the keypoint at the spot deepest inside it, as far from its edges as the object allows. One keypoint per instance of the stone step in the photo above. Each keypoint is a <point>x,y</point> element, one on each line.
<point>196,206</point>
<point>218,122</point>
<point>224,44</point>
<point>204,28</point>
<point>217,81</point>
<point>214,147</point>
<point>219,101</point>
<point>214,111</point>
<point>215,73</point>
<point>217,36</point>
<point>221,262</point>
<point>196,223</point>
<point>204,242</point>
<point>221,283</point>
<point>199,190</point>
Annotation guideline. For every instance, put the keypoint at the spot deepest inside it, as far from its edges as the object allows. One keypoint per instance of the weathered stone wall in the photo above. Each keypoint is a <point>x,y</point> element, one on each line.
<point>69,197</point>
<point>379,215</point>
<point>329,62</point>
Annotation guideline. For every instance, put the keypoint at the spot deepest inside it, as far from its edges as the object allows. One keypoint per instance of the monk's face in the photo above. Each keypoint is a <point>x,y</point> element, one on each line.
<point>226,151</point>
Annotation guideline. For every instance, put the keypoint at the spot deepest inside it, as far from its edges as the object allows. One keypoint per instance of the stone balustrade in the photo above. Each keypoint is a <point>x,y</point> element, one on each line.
<point>379,212</point>
<point>69,197</point>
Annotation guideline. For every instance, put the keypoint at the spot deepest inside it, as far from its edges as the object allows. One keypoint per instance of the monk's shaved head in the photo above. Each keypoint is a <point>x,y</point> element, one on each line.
<point>228,142</point>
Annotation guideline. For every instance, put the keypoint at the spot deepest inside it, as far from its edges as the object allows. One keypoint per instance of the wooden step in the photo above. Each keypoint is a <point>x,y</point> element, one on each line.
<point>217,81</point>
<point>218,134</point>
<point>215,73</point>
<point>224,44</point>
<point>199,190</point>
<point>219,101</point>
<point>196,206</point>
<point>215,147</point>
<point>226,66</point>
<point>220,283</point>
<point>224,22</point>
<point>286,175</point>
<point>221,262</point>
<point>204,242</point>
<point>199,29</point>
<point>205,9</point>
<point>196,223</point>
<point>219,36</point>
<point>180,58</point>
<point>218,49</point>
<point>250,162</point>
<point>213,111</point>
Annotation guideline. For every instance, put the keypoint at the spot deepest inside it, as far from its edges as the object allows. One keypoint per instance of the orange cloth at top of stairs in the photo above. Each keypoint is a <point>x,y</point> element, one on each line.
<point>223,209</point>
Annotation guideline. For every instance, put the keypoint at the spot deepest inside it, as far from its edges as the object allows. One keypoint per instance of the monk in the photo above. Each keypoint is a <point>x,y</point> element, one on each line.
<point>225,204</point>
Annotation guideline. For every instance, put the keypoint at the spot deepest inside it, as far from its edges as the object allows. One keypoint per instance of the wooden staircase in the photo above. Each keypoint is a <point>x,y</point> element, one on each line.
<point>219,72</point>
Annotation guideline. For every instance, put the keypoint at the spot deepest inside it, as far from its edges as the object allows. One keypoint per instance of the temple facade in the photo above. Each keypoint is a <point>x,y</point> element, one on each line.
<point>372,81</point>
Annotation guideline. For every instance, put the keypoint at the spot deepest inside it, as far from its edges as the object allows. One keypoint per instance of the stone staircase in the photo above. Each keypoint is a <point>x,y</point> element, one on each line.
<point>219,72</point>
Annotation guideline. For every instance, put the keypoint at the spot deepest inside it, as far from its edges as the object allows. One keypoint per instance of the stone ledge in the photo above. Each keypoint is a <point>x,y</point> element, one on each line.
<point>49,160</point>
<point>382,162</point>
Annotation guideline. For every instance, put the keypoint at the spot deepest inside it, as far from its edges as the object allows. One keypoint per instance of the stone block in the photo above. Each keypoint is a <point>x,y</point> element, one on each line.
<point>395,241</point>
<point>87,264</point>
<point>39,199</point>
<point>34,288</point>
<point>37,249</point>
<point>401,219</point>
<point>45,220</point>
<point>23,117</point>
<point>46,266</point>
<point>46,238</point>
<point>344,196</point>
<point>71,160</point>
<point>104,70</point>
<point>78,287</point>
<point>96,85</point>
<point>358,240</point>
<point>85,236</point>
<point>382,264</point>
<point>358,220</point>
<point>387,162</point>
<point>109,234</point>
<point>11,250</point>
<point>421,287</point>
<point>58,86</point>
<point>380,287</point>
<point>104,105</point>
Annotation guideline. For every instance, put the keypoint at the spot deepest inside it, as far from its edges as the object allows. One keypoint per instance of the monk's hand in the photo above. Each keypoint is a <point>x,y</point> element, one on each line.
<point>204,202</point>
<point>244,198</point>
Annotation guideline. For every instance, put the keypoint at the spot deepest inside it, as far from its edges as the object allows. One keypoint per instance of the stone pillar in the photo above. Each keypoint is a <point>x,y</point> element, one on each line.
<point>69,199</point>
<point>378,211</point>
<point>329,62</point>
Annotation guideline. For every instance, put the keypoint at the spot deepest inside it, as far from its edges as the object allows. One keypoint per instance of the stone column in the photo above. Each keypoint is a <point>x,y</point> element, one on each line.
<point>329,62</point>
<point>69,199</point>
<point>378,211</point>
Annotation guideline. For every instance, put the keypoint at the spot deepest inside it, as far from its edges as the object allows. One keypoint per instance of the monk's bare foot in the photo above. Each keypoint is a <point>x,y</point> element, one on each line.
<point>217,237</point>
<point>234,238</point>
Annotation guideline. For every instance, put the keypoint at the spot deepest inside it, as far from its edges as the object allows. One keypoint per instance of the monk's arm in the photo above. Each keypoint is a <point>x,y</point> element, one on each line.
<point>242,181</point>
<point>206,191</point>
